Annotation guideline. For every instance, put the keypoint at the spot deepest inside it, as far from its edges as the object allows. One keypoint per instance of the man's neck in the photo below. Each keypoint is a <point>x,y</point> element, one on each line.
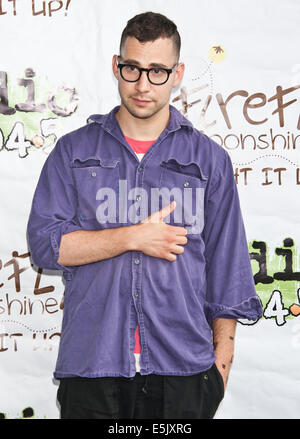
<point>142,129</point>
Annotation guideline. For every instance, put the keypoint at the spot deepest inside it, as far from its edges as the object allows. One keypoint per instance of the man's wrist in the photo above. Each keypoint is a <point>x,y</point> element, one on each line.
<point>130,240</point>
<point>223,363</point>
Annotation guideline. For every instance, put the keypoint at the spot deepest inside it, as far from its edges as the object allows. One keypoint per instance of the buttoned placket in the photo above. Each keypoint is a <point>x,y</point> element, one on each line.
<point>137,266</point>
<point>136,315</point>
<point>136,311</point>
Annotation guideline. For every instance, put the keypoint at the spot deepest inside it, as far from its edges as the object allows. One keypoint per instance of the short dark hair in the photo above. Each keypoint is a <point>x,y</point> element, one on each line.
<point>148,26</point>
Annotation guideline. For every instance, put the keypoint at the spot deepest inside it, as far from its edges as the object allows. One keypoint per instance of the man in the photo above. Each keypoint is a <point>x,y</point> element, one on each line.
<point>153,288</point>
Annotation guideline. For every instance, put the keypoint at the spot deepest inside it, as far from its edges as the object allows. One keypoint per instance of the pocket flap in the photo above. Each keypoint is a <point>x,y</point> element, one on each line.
<point>192,168</point>
<point>93,161</point>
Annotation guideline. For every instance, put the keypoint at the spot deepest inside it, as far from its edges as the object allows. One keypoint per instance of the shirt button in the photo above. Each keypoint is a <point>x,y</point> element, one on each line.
<point>138,197</point>
<point>140,168</point>
<point>186,184</point>
<point>136,294</point>
<point>136,261</point>
<point>93,174</point>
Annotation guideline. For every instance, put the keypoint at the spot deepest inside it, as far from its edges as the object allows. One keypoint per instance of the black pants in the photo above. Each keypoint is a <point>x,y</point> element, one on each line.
<point>142,397</point>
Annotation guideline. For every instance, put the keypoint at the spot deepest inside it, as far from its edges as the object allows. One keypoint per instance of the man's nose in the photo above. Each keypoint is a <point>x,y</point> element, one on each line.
<point>143,83</point>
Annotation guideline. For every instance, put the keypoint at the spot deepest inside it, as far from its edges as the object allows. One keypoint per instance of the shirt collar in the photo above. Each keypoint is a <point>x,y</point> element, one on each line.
<point>109,121</point>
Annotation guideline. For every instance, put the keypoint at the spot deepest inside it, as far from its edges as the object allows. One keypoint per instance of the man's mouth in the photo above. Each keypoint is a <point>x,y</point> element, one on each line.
<point>141,102</point>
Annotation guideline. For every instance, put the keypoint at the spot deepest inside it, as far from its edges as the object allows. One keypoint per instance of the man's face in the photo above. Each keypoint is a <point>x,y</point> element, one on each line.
<point>143,99</point>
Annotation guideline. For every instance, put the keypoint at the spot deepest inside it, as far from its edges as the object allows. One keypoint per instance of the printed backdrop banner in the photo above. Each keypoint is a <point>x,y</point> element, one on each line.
<point>241,88</point>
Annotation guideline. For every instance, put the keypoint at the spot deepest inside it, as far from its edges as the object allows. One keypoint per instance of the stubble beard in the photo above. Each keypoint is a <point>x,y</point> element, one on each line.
<point>140,114</point>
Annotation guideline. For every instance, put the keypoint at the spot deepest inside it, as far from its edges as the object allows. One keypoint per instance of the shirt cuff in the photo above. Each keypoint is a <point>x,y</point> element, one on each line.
<point>250,309</point>
<point>55,239</point>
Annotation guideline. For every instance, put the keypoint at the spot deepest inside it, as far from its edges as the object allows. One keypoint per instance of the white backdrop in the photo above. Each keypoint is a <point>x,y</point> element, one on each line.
<point>242,88</point>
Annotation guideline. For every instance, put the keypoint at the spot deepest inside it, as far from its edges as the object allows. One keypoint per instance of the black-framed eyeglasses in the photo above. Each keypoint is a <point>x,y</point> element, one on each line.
<point>156,75</point>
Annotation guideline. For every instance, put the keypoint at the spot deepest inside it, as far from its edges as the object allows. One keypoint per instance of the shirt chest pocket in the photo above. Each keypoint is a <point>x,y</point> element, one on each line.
<point>185,183</point>
<point>97,184</point>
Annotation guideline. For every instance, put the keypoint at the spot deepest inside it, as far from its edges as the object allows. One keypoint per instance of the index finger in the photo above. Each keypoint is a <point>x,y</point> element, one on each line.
<point>178,230</point>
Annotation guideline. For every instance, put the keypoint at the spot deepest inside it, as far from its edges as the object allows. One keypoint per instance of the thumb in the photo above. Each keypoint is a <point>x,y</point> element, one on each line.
<point>157,217</point>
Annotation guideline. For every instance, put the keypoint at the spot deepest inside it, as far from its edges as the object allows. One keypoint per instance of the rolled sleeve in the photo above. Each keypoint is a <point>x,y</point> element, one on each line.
<point>230,288</point>
<point>53,210</point>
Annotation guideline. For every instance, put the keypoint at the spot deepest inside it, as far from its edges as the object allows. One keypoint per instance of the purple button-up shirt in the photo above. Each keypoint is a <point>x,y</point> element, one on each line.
<point>93,180</point>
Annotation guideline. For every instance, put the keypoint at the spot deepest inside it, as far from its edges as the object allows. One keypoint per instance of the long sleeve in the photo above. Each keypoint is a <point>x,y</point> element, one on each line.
<point>53,211</point>
<point>230,288</point>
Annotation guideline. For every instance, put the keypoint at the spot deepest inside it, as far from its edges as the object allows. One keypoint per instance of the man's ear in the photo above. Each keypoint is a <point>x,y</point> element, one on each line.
<point>115,66</point>
<point>179,72</point>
